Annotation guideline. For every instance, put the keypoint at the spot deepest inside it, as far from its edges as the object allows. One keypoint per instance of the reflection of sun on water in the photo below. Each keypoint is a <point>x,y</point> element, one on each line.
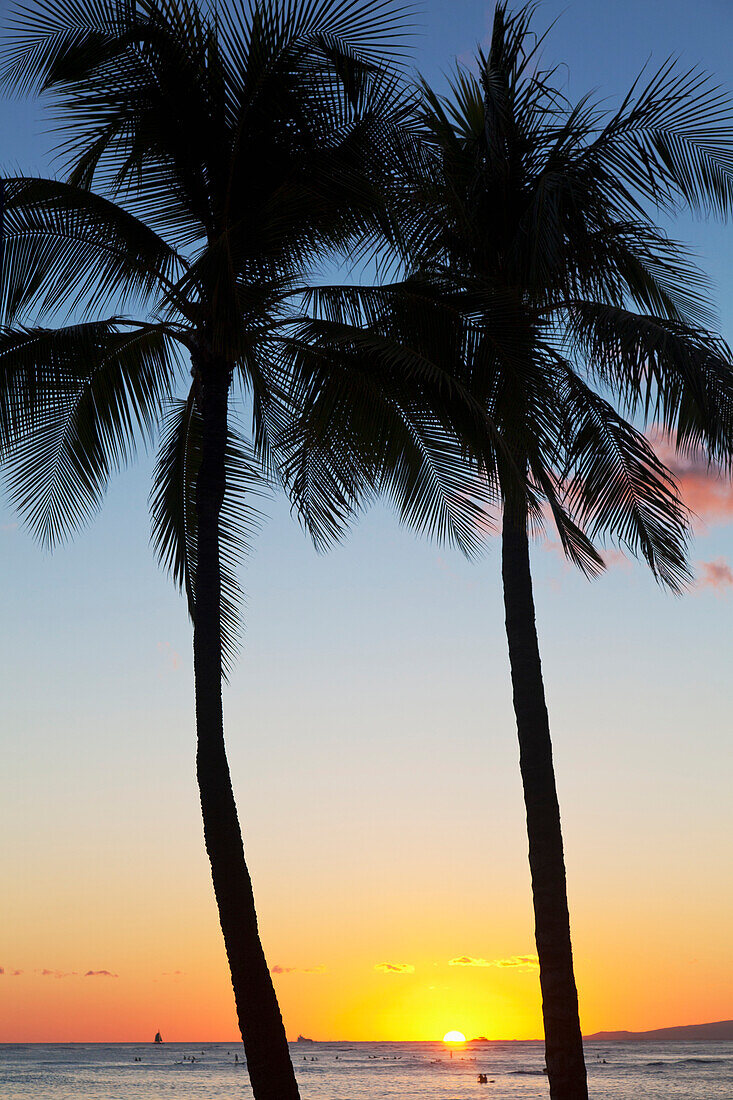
<point>454,1037</point>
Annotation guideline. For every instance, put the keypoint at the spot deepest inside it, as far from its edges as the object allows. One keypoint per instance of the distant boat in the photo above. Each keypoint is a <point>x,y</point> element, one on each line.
<point>303,1039</point>
<point>158,1037</point>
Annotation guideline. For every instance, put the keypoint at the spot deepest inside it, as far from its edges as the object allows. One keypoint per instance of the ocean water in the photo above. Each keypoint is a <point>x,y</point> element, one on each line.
<point>355,1071</point>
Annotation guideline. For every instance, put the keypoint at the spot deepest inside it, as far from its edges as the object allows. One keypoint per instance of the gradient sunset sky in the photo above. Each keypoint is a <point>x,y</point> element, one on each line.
<point>371,736</point>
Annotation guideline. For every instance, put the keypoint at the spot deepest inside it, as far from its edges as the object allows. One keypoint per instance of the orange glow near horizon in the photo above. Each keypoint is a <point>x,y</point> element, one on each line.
<point>142,952</point>
<point>101,951</point>
<point>345,1001</point>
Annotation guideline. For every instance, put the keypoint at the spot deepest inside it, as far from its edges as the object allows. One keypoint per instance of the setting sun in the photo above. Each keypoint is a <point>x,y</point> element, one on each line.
<point>454,1037</point>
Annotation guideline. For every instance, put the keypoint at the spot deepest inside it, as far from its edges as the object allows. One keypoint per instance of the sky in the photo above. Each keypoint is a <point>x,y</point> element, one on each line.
<point>371,736</point>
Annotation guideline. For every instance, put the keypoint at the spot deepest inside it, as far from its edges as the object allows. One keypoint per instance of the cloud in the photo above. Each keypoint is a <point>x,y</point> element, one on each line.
<point>704,488</point>
<point>2,969</point>
<point>171,659</point>
<point>277,969</point>
<point>46,973</point>
<point>16,973</point>
<point>554,546</point>
<point>517,962</point>
<point>395,968</point>
<point>468,960</point>
<point>612,557</point>
<point>716,574</point>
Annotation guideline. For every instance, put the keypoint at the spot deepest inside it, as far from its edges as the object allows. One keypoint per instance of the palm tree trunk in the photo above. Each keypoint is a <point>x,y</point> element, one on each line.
<point>563,1040</point>
<point>260,1023</point>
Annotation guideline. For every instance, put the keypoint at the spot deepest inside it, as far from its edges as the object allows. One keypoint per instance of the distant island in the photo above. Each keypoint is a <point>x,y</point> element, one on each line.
<point>721,1030</point>
<point>700,1033</point>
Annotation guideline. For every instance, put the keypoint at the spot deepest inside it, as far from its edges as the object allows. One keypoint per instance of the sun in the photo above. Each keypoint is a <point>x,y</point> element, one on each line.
<point>454,1037</point>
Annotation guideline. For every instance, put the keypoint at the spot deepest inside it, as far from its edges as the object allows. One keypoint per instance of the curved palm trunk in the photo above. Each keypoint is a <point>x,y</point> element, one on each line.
<point>263,1034</point>
<point>563,1041</point>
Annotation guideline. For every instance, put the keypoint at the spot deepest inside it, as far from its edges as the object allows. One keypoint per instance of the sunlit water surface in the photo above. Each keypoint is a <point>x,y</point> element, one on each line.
<point>352,1071</point>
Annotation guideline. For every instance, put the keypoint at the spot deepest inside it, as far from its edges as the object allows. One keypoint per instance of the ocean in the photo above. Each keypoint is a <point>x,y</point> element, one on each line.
<point>356,1071</point>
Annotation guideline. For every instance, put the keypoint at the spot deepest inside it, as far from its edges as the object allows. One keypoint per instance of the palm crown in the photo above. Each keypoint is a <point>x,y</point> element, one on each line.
<point>229,154</point>
<point>537,279</point>
<point>583,310</point>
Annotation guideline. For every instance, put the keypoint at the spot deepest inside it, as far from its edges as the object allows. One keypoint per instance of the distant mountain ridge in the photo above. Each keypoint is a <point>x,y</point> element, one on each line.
<point>700,1033</point>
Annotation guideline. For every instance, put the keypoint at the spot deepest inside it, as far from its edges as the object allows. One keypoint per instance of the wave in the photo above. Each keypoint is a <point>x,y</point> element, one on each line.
<point>671,1062</point>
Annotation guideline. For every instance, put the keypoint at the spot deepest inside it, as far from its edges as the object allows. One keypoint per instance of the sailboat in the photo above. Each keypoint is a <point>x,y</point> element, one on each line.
<point>158,1037</point>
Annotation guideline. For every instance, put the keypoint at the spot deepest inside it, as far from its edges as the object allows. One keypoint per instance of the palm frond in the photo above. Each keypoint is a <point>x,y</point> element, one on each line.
<point>107,383</point>
<point>365,423</point>
<point>661,370</point>
<point>576,545</point>
<point>672,140</point>
<point>67,248</point>
<point>173,513</point>
<point>616,485</point>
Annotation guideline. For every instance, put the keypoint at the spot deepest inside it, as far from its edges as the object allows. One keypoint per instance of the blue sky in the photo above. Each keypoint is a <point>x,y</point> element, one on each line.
<point>373,688</point>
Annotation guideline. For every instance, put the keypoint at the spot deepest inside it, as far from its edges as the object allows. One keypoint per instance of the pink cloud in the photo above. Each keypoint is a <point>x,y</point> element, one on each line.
<point>554,546</point>
<point>46,973</point>
<point>613,558</point>
<point>716,574</point>
<point>704,488</point>
<point>171,659</point>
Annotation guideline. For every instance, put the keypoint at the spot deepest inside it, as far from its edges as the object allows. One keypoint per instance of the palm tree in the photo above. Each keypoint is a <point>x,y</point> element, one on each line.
<point>213,157</point>
<point>537,279</point>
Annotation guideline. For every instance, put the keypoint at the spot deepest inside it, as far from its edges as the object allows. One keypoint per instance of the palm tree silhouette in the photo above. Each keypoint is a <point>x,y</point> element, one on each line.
<point>213,157</point>
<point>537,279</point>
